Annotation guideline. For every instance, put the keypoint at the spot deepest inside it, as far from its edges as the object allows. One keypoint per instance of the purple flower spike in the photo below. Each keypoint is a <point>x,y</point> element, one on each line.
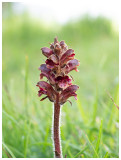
<point>59,63</point>
<point>58,88</point>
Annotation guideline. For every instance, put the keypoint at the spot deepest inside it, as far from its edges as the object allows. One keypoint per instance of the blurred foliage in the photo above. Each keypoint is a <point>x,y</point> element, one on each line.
<point>90,127</point>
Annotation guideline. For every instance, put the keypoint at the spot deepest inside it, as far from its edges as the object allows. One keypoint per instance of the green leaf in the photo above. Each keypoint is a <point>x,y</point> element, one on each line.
<point>77,155</point>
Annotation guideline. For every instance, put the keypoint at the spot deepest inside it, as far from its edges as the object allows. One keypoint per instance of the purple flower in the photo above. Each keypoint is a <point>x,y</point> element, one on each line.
<point>63,82</point>
<point>68,92</point>
<point>46,72</point>
<point>47,89</point>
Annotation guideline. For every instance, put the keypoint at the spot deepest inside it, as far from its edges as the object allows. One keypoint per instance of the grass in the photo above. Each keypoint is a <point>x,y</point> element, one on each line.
<point>89,127</point>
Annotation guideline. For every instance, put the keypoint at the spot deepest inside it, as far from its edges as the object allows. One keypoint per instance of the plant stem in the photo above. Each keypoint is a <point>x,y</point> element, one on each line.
<point>56,128</point>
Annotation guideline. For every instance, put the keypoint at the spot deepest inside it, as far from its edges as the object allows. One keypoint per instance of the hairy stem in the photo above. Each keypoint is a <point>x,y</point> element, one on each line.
<point>56,133</point>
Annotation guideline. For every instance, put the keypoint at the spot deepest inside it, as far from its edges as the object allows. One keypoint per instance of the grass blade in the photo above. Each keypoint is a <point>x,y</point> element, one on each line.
<point>77,155</point>
<point>94,110</point>
<point>26,140</point>
<point>16,151</point>
<point>69,152</point>
<point>26,85</point>
<point>8,150</point>
<point>91,145</point>
<point>11,118</point>
<point>99,139</point>
<point>81,110</point>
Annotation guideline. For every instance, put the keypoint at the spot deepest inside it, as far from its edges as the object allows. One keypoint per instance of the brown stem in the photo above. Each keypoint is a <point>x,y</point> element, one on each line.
<point>56,128</point>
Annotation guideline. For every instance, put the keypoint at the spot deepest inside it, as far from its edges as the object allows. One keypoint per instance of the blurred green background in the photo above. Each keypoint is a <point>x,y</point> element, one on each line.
<point>89,128</point>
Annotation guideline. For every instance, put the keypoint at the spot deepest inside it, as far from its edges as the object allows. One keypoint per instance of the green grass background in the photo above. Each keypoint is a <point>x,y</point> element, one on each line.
<point>89,128</point>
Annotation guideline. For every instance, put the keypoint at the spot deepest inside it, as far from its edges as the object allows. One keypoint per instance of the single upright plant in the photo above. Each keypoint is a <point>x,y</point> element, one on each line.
<point>58,88</point>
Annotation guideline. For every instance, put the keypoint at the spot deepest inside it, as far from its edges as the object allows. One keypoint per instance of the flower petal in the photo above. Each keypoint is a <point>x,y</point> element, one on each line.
<point>62,43</point>
<point>50,64</point>
<point>47,73</point>
<point>68,55</point>
<point>54,58</point>
<point>41,91</point>
<point>72,65</point>
<point>64,47</point>
<point>63,82</point>
<point>46,51</point>
<point>68,92</point>
<point>44,85</point>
